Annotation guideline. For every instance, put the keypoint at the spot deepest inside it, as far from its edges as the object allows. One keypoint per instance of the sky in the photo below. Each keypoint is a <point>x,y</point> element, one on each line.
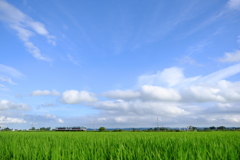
<point>119,64</point>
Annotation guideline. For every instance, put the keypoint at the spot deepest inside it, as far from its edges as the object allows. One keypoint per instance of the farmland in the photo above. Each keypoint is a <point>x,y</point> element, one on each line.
<point>119,145</point>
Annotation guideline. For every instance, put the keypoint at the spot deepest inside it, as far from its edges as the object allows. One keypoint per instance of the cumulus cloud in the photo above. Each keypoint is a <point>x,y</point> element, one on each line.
<point>202,93</point>
<point>168,77</point>
<point>5,120</point>
<point>141,108</point>
<point>175,100</point>
<point>159,93</point>
<point>75,97</point>
<point>122,94</point>
<point>199,100</point>
<point>60,120</point>
<point>45,93</point>
<point>25,27</point>
<point>231,57</point>
<point>6,105</point>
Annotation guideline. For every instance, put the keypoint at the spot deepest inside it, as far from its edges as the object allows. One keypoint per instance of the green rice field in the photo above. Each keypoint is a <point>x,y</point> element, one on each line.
<point>120,145</point>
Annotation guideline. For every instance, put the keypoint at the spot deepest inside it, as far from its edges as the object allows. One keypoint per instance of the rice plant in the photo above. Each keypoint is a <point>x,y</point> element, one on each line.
<point>119,145</point>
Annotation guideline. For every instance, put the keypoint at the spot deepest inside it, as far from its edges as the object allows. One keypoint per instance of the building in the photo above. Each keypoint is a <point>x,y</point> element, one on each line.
<point>70,129</point>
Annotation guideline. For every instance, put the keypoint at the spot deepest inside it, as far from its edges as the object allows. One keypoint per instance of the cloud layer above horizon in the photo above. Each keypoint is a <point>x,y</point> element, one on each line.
<point>127,65</point>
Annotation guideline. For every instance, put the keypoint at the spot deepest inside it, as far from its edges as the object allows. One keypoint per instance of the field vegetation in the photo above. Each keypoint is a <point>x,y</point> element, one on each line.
<point>214,145</point>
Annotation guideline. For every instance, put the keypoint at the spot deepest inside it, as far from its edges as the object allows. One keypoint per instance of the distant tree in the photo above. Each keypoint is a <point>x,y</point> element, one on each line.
<point>48,128</point>
<point>150,129</point>
<point>221,128</point>
<point>194,128</point>
<point>117,130</point>
<point>7,129</point>
<point>212,128</point>
<point>102,129</point>
<point>163,129</point>
<point>135,130</point>
<point>42,129</point>
<point>207,129</point>
<point>33,129</point>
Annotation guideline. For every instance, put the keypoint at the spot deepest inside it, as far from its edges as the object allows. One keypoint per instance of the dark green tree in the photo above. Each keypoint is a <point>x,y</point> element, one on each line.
<point>102,129</point>
<point>221,128</point>
<point>33,129</point>
<point>7,129</point>
<point>212,128</point>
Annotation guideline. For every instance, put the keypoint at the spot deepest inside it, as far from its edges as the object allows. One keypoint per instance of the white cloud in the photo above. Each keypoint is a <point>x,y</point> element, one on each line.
<point>25,27</point>
<point>200,100</point>
<point>60,120</point>
<point>41,119</point>
<point>45,93</point>
<point>75,97</point>
<point>5,120</point>
<point>7,79</point>
<point>54,118</point>
<point>153,93</point>
<point>122,94</point>
<point>231,57</point>
<point>168,77</point>
<point>138,107</point>
<point>202,93</point>
<point>234,4</point>
<point>50,116</point>
<point>35,51</point>
<point>221,74</point>
<point>10,71</point>
<point>6,105</point>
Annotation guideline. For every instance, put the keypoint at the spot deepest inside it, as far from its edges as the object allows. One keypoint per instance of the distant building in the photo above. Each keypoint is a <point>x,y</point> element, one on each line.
<point>70,129</point>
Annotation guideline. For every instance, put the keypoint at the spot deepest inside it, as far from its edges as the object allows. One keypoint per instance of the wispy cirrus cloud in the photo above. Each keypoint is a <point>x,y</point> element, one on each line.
<point>5,73</point>
<point>25,27</point>
<point>7,79</point>
<point>10,71</point>
<point>72,60</point>
<point>234,4</point>
<point>45,93</point>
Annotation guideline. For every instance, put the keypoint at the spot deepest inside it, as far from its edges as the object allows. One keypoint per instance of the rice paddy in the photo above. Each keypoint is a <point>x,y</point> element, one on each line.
<point>119,145</point>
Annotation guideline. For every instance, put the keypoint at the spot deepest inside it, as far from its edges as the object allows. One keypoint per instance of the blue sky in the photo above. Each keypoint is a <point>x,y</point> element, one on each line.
<point>119,63</point>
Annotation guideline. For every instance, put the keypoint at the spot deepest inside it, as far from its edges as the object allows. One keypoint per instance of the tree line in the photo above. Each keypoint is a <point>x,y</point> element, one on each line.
<point>156,129</point>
